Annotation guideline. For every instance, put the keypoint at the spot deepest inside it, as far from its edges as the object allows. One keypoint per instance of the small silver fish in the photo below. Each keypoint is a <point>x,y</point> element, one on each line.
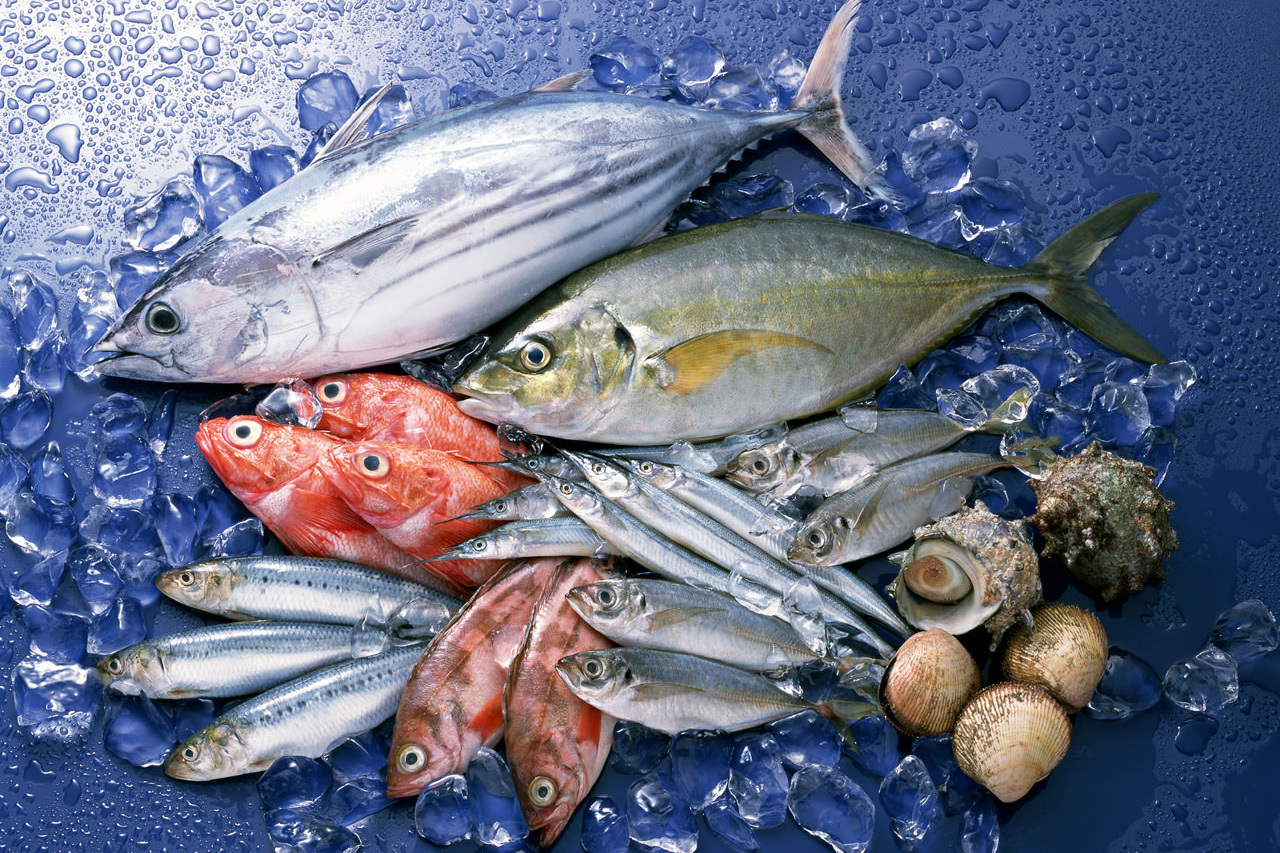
<point>708,457</point>
<point>559,536</point>
<point>234,659</point>
<point>672,692</point>
<point>307,716</point>
<point>528,502</point>
<point>657,614</point>
<point>306,589</point>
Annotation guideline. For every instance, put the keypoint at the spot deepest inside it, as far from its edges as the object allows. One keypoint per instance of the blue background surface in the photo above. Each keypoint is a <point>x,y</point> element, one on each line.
<point>1175,97</point>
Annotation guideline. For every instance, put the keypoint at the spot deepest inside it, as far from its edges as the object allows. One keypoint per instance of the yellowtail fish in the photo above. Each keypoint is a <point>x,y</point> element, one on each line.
<point>734,326</point>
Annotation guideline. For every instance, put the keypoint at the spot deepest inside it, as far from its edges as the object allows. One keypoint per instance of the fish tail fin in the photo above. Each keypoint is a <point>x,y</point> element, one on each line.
<point>1013,411</point>
<point>1031,454</point>
<point>1066,261</point>
<point>819,95</point>
<point>841,711</point>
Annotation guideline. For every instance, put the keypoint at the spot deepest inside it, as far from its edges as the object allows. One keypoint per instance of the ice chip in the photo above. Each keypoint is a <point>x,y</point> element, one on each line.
<point>117,627</point>
<point>25,419</point>
<point>956,791</point>
<point>175,521</point>
<point>327,98</point>
<point>465,93</point>
<point>1004,393</point>
<point>604,827</point>
<point>118,415</point>
<point>35,309</point>
<point>907,193</point>
<point>13,476</point>
<point>223,186</point>
<point>1205,683</point>
<point>1164,387</point>
<point>245,538</point>
<point>722,817</point>
<point>45,366</point>
<point>787,73</point>
<point>140,732</point>
<point>827,804</point>
<point>910,799</point>
<point>125,472</point>
<point>216,510</point>
<point>160,421</point>
<point>741,89</point>
<point>495,810</point>
<point>1246,631</point>
<point>192,715</point>
<point>1064,423</point>
<point>989,204</point>
<point>272,165</point>
<point>122,530</point>
<point>806,738</point>
<point>48,476</point>
<point>937,156</point>
<point>690,67</point>
<point>61,637</point>
<point>979,829</point>
<point>758,781</point>
<point>362,755</point>
<point>133,273</point>
<point>163,220</point>
<point>291,403</point>
<point>622,64</point>
<point>39,525</point>
<point>1128,687</point>
<point>700,766</point>
<point>877,742</point>
<point>1119,413</point>
<point>54,700</point>
<point>394,110</point>
<point>823,200</point>
<point>442,812</point>
<point>96,573</point>
<point>657,819</point>
<point>88,322</point>
<point>353,801</point>
<point>299,832</point>
<point>10,355</point>
<point>37,583</point>
<point>752,194</point>
<point>294,782</point>
<point>637,748</point>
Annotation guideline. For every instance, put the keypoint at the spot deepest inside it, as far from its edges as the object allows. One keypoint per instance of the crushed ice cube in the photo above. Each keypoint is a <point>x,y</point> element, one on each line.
<point>125,472</point>
<point>910,799</point>
<point>272,165</point>
<point>989,204</point>
<point>48,476</point>
<point>979,828</point>
<point>362,755</point>
<point>1246,631</point>
<point>1128,687</point>
<point>1206,682</point>
<point>13,476</point>
<point>657,819</point>
<point>622,64</point>
<point>245,538</point>
<point>10,355</point>
<point>877,742</point>
<point>61,637</point>
<point>722,817</point>
<point>118,626</point>
<point>35,309</point>
<point>691,66</point>
<point>327,98</point>
<point>956,791</point>
<point>442,812</point>
<point>604,827</point>
<point>394,110</point>
<point>937,157</point>
<point>121,530</point>
<point>758,781</point>
<point>741,89</point>
<point>45,366</point>
<point>118,415</point>
<point>37,583</point>
<point>826,803</point>
<point>133,273</point>
<point>637,748</point>
<point>25,419</point>
<point>354,800</point>
<point>39,525</point>
<point>159,424</point>
<point>165,219</point>
<point>54,700</point>
<point>806,738</point>
<point>175,521</point>
<point>299,832</point>
<point>294,782</point>
<point>1119,412</point>
<point>495,810</point>
<point>700,766</point>
<point>291,403</point>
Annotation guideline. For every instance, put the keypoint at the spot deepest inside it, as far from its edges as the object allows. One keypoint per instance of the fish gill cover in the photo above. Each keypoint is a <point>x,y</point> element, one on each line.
<point>132,128</point>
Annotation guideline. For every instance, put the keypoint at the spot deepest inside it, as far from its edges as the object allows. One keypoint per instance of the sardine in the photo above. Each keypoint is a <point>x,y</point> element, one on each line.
<point>563,536</point>
<point>560,744</point>
<point>234,659</point>
<point>452,704</point>
<point>885,510</point>
<point>835,454</point>
<point>746,323</point>
<point>657,614</point>
<point>413,239</point>
<point>306,589</point>
<point>672,692</point>
<point>526,503</point>
<point>307,716</point>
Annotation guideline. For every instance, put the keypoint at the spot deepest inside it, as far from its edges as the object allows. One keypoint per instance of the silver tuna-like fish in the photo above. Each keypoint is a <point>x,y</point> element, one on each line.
<point>411,240</point>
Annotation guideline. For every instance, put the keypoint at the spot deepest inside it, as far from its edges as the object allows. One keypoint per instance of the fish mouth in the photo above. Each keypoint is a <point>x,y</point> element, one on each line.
<point>491,408</point>
<point>127,364</point>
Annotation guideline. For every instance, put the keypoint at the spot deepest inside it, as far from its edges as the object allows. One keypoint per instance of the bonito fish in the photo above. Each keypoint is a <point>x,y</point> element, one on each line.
<point>418,237</point>
<point>737,325</point>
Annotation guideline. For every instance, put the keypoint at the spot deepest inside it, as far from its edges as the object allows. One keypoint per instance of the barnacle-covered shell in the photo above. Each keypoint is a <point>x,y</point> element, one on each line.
<point>928,680</point>
<point>996,556</point>
<point>1103,516</point>
<point>1065,652</point>
<point>1009,737</point>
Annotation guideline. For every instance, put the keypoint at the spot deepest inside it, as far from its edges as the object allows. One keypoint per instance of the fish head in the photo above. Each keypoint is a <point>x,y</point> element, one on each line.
<point>555,376</point>
<point>214,752</point>
<point>384,482</point>
<point>608,479</point>
<point>656,473</point>
<point>550,797</point>
<point>231,310</point>
<point>413,763</point>
<point>595,677</point>
<point>128,669</point>
<point>352,403</point>
<point>817,540</point>
<point>204,585</point>
<point>253,456</point>
<point>610,606</point>
<point>762,468</point>
<point>579,498</point>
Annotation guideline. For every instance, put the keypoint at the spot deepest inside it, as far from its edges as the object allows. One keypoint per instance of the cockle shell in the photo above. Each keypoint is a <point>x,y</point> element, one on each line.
<point>928,680</point>
<point>1065,652</point>
<point>996,557</point>
<point>1009,737</point>
<point>1103,516</point>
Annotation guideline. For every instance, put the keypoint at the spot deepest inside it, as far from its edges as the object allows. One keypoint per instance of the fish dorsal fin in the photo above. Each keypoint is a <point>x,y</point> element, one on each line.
<point>563,83</point>
<point>363,248</point>
<point>671,618</point>
<point>353,128</point>
<point>691,365</point>
<point>656,691</point>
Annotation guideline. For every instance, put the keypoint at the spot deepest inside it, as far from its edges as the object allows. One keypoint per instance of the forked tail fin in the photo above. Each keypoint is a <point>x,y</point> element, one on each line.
<point>1066,262</point>
<point>820,94</point>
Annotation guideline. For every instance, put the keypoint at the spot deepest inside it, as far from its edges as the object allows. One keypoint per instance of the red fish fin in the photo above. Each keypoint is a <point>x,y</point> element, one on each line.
<point>488,721</point>
<point>319,519</point>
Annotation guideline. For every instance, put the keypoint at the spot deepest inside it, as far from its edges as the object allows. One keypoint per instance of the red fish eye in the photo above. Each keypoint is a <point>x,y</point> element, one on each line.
<point>542,791</point>
<point>243,432</point>
<point>332,392</point>
<point>374,465</point>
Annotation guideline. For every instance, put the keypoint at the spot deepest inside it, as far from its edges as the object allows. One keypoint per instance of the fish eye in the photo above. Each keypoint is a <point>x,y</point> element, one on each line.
<point>332,392</point>
<point>535,356</point>
<point>190,753</point>
<point>816,538</point>
<point>645,467</point>
<point>760,466</point>
<point>162,320</point>
<point>243,432</point>
<point>593,668</point>
<point>542,791</point>
<point>566,489</point>
<point>186,578</point>
<point>606,596</point>
<point>374,465</point>
<point>479,545</point>
<point>598,469</point>
<point>114,666</point>
<point>499,506</point>
<point>411,758</point>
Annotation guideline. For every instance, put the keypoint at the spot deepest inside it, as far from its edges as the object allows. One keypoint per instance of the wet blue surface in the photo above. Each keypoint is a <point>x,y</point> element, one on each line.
<point>1058,110</point>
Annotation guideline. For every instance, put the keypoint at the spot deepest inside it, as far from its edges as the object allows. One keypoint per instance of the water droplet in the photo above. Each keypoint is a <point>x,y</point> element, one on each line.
<point>25,176</point>
<point>1009,92</point>
<point>67,138</point>
<point>73,67</point>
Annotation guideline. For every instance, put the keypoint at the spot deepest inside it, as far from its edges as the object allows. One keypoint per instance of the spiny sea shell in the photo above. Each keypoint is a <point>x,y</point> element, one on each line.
<point>1009,737</point>
<point>928,680</point>
<point>1065,652</point>
<point>1105,518</point>
<point>996,556</point>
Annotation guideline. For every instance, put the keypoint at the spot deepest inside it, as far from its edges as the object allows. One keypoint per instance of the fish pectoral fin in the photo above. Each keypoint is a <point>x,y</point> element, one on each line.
<point>364,248</point>
<point>655,691</point>
<point>352,129</point>
<point>861,520</point>
<point>670,618</point>
<point>324,519</point>
<point>691,365</point>
<point>563,83</point>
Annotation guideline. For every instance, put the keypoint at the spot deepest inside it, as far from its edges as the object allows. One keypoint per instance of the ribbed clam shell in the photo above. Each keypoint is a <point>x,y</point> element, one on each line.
<point>927,682</point>
<point>1065,653</point>
<point>1009,737</point>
